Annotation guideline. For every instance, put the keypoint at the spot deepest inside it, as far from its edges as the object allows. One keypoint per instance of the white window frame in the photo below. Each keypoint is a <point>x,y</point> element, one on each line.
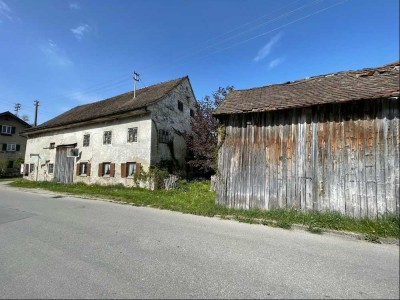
<point>105,168</point>
<point>11,147</point>
<point>5,129</point>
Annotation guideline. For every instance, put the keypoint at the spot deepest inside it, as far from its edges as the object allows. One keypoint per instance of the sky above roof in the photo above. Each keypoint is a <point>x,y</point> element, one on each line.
<point>68,53</point>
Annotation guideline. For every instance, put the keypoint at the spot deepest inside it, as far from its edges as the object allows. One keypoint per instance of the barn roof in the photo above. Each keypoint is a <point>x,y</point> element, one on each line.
<point>368,83</point>
<point>116,105</point>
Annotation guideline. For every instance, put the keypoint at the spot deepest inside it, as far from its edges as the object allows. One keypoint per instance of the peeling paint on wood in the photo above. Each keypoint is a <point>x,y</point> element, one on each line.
<point>341,157</point>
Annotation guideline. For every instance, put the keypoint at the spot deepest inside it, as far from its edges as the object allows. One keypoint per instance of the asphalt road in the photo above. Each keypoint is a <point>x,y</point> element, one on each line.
<point>65,247</point>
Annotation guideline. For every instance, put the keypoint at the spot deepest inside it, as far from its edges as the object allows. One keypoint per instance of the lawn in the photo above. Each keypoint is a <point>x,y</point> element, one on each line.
<point>195,198</point>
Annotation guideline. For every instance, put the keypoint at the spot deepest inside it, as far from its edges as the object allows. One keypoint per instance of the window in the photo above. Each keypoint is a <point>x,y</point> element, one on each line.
<point>11,147</point>
<point>86,140</point>
<point>129,169</point>
<point>83,169</point>
<point>52,145</point>
<point>10,164</point>
<point>180,105</point>
<point>107,137</point>
<point>50,168</point>
<point>31,168</point>
<point>106,169</point>
<point>5,129</point>
<point>164,136</point>
<point>132,135</point>
<point>191,112</point>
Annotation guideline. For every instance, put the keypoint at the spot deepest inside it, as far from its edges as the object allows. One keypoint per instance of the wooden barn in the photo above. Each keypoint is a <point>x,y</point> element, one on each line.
<point>329,142</point>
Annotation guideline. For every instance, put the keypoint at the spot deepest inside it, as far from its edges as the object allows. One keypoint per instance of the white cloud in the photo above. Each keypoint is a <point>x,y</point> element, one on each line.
<point>74,5</point>
<point>55,55</point>
<point>266,50</point>
<point>275,62</point>
<point>81,31</point>
<point>5,11</point>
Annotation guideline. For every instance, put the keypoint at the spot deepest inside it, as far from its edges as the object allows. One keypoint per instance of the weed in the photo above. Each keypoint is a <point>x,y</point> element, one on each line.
<point>283,224</point>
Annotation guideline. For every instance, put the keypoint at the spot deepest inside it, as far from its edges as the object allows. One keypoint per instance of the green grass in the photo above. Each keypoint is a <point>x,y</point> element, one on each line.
<point>9,178</point>
<point>195,198</point>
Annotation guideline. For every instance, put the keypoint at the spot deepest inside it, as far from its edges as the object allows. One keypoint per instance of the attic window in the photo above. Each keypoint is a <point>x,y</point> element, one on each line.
<point>107,137</point>
<point>132,135</point>
<point>180,105</point>
<point>5,129</point>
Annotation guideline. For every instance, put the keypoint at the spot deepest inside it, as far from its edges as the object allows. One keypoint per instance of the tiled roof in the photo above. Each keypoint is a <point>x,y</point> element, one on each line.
<point>368,83</point>
<point>11,115</point>
<point>112,106</point>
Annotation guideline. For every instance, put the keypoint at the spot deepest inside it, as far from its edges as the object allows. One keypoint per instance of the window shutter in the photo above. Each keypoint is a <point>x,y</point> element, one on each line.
<point>138,167</point>
<point>78,166</point>
<point>13,130</point>
<point>88,166</point>
<point>100,173</point>
<point>123,170</point>
<point>18,147</point>
<point>4,147</point>
<point>112,170</point>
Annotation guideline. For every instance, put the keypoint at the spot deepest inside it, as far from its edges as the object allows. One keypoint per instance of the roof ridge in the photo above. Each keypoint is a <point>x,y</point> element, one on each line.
<point>303,80</point>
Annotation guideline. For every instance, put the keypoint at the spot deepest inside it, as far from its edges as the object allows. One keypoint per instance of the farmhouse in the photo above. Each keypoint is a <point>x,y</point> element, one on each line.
<point>12,143</point>
<point>329,142</point>
<point>109,141</point>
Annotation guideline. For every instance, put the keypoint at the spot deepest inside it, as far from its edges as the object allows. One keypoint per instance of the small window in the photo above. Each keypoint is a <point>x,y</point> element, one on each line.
<point>10,164</point>
<point>191,112</point>
<point>5,129</point>
<point>50,168</point>
<point>83,168</point>
<point>52,145</point>
<point>31,168</point>
<point>164,136</point>
<point>180,105</point>
<point>132,135</point>
<point>11,147</point>
<point>130,169</point>
<point>86,140</point>
<point>107,137</point>
<point>106,168</point>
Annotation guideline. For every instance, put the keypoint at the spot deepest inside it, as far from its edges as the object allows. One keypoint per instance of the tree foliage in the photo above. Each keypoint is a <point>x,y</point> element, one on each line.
<point>202,144</point>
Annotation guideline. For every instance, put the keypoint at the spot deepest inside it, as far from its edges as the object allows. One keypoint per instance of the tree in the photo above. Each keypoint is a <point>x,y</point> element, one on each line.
<point>202,144</point>
<point>25,118</point>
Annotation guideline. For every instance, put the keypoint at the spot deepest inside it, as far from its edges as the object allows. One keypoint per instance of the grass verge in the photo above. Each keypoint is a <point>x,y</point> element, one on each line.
<point>195,198</point>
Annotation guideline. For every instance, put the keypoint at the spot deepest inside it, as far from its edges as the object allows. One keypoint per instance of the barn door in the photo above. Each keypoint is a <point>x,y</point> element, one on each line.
<point>64,166</point>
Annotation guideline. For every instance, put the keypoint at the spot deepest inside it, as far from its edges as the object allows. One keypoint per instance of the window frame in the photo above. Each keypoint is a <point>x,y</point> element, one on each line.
<point>10,148</point>
<point>127,169</point>
<point>86,140</point>
<point>134,136</point>
<point>107,139</point>
<point>104,168</point>
<point>6,131</point>
<point>50,168</point>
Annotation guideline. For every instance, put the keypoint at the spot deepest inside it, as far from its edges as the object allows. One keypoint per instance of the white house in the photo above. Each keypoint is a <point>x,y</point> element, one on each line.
<point>108,141</point>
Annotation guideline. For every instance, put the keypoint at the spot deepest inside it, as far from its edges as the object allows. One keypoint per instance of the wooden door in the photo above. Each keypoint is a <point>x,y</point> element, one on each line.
<point>64,166</point>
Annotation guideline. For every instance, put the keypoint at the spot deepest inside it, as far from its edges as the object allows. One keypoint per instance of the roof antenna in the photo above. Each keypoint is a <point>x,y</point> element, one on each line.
<point>135,79</point>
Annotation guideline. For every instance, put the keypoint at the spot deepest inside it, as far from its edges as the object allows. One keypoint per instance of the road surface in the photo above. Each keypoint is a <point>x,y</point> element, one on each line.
<point>56,246</point>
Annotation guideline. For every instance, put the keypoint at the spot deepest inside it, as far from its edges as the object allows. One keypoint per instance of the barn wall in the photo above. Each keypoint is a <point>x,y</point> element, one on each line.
<point>341,157</point>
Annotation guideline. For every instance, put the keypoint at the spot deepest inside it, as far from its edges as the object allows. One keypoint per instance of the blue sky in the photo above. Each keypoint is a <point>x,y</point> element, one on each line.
<point>67,53</point>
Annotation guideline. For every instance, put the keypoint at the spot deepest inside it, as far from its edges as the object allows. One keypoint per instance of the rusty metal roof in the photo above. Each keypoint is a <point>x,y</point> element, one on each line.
<point>113,106</point>
<point>368,83</point>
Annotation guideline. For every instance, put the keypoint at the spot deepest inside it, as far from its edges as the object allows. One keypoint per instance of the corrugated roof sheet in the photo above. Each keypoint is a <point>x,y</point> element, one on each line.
<point>112,106</point>
<point>368,83</point>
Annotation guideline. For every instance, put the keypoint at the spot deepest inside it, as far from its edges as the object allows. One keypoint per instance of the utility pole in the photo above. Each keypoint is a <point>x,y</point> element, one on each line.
<point>135,79</point>
<point>17,107</point>
<point>36,102</point>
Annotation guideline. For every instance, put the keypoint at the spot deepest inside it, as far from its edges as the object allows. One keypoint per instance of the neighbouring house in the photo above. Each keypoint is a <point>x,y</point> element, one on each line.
<point>329,142</point>
<point>109,141</point>
<point>12,151</point>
